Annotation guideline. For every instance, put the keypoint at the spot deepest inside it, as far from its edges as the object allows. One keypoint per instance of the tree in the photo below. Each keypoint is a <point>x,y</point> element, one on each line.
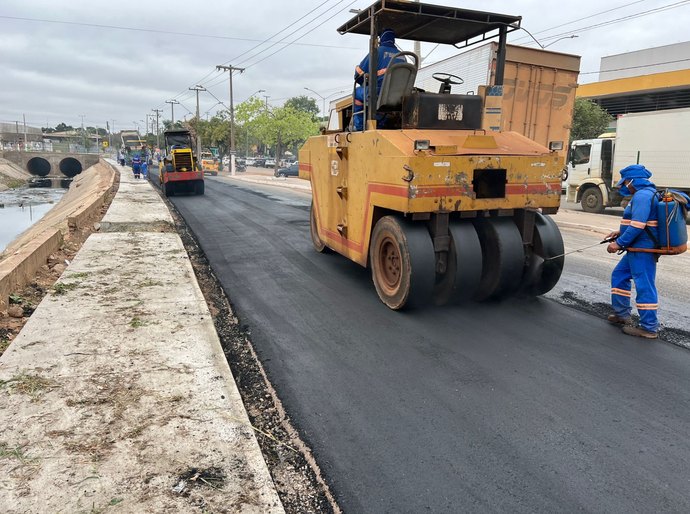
<point>304,104</point>
<point>215,133</point>
<point>589,120</point>
<point>61,127</point>
<point>279,126</point>
<point>169,125</point>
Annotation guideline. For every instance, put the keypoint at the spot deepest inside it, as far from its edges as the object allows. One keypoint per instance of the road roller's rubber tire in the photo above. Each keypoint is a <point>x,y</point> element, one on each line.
<point>199,187</point>
<point>319,245</point>
<point>169,189</point>
<point>503,257</point>
<point>543,272</point>
<point>402,260</point>
<point>464,266</point>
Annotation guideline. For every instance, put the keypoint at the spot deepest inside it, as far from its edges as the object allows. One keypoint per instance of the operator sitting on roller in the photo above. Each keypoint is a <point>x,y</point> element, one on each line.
<point>640,218</point>
<point>386,51</point>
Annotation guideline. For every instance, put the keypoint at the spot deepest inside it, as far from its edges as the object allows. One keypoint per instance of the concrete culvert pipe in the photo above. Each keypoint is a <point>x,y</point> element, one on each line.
<point>70,167</point>
<point>38,166</point>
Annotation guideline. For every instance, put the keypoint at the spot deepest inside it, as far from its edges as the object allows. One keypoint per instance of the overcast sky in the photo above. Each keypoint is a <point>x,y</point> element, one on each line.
<point>55,72</point>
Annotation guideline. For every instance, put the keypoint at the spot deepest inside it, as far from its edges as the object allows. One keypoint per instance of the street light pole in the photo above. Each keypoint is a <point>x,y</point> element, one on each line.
<point>323,99</point>
<point>197,88</point>
<point>172,108</point>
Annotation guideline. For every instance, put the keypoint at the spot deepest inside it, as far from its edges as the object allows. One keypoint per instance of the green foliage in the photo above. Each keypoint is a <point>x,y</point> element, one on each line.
<point>169,125</point>
<point>589,120</point>
<point>216,132</point>
<point>279,126</point>
<point>61,127</point>
<point>304,104</point>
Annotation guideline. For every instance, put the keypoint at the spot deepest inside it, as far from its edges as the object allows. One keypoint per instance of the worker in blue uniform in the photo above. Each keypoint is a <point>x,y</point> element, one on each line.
<point>386,51</point>
<point>637,235</point>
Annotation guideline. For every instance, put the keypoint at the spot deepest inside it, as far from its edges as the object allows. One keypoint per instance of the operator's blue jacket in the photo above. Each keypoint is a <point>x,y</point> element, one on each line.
<point>386,52</point>
<point>640,217</point>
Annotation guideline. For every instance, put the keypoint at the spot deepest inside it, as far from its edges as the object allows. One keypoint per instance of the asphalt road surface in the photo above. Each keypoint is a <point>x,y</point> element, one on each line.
<point>518,406</point>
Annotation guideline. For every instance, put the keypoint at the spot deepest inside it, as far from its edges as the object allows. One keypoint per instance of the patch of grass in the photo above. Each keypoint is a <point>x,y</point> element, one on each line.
<point>150,283</point>
<point>137,322</point>
<point>81,274</point>
<point>15,183</point>
<point>31,385</point>
<point>16,299</point>
<point>8,452</point>
<point>61,288</point>
<point>4,345</point>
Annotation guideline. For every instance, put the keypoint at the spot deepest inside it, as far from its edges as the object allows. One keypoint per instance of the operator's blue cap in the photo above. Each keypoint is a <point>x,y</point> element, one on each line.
<point>387,36</point>
<point>633,171</point>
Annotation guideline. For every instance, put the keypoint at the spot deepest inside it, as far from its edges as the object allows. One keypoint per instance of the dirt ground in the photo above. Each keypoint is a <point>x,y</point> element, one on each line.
<point>295,472</point>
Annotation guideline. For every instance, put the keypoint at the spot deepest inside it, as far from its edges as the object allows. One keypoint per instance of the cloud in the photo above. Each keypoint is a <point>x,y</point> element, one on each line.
<point>57,72</point>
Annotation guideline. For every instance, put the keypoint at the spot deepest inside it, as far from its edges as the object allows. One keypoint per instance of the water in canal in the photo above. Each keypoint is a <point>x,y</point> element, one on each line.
<point>21,208</point>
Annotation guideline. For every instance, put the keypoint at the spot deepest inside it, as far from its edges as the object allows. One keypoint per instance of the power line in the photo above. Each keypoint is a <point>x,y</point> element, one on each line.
<point>619,20</point>
<point>186,92</point>
<point>153,31</point>
<point>579,19</point>
<point>300,37</point>
<point>277,33</point>
<point>285,37</point>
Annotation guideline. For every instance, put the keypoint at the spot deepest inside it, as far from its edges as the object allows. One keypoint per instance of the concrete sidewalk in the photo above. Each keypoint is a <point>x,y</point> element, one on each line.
<point>117,391</point>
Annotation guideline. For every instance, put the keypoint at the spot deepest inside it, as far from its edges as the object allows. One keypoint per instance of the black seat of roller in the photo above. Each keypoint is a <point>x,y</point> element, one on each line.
<point>397,83</point>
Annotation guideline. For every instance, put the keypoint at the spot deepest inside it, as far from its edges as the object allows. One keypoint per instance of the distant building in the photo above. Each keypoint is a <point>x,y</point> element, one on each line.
<point>14,133</point>
<point>652,79</point>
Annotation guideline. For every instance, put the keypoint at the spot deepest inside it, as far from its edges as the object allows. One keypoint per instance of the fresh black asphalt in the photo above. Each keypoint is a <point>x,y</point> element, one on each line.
<point>518,406</point>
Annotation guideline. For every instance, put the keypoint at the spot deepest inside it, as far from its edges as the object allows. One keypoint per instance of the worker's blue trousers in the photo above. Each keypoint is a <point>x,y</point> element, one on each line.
<point>641,268</point>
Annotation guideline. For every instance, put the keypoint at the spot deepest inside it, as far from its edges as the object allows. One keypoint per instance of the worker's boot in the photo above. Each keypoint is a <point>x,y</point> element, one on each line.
<point>639,332</point>
<point>618,320</point>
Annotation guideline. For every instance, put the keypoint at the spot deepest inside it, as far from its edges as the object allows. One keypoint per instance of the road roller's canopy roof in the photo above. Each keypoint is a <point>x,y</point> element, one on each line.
<point>430,23</point>
<point>178,137</point>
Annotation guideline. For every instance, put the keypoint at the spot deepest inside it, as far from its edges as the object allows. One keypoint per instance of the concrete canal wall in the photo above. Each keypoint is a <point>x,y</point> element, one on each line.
<point>76,210</point>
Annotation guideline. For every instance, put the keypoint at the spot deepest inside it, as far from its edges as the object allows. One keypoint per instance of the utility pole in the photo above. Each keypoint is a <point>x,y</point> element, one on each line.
<point>197,88</point>
<point>230,69</point>
<point>19,148</point>
<point>158,133</point>
<point>172,108</point>
<point>26,139</point>
<point>266,97</point>
<point>83,136</point>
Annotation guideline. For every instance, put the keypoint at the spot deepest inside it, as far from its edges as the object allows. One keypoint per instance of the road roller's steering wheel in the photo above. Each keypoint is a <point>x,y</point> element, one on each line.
<point>446,80</point>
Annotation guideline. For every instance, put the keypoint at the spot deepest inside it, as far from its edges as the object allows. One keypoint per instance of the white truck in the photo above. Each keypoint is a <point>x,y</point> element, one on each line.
<point>659,140</point>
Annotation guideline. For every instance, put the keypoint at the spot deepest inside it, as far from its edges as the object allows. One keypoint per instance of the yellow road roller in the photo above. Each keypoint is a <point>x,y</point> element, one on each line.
<point>440,203</point>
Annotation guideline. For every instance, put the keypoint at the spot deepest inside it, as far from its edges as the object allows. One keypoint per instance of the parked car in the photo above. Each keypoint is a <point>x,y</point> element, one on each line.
<point>250,161</point>
<point>260,163</point>
<point>270,163</point>
<point>290,171</point>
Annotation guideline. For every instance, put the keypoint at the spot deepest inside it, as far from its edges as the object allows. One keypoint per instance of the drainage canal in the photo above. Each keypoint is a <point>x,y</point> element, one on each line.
<point>70,167</point>
<point>38,166</point>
